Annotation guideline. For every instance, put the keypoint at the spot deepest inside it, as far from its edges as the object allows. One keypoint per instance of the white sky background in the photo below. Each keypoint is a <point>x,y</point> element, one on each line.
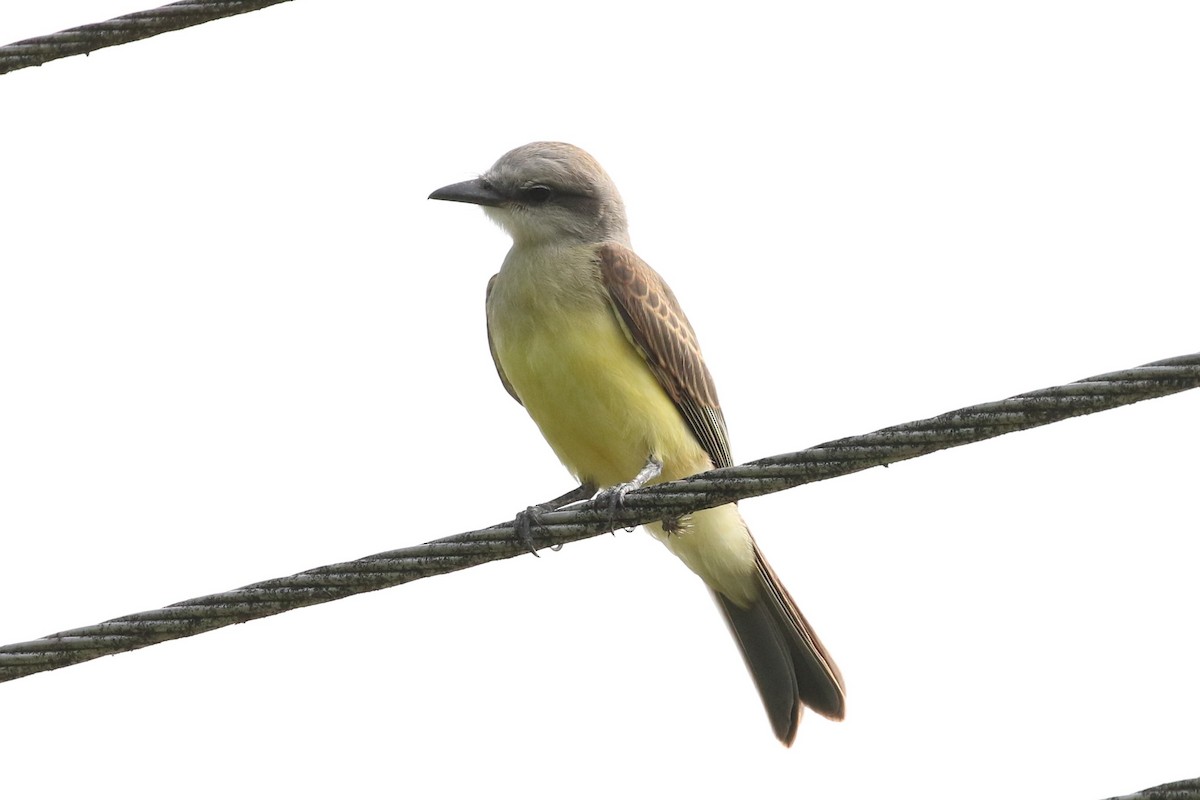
<point>236,341</point>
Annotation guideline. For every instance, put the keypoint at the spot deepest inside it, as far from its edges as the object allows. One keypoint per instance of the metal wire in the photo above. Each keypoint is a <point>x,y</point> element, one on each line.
<point>717,487</point>
<point>1179,790</point>
<point>121,30</point>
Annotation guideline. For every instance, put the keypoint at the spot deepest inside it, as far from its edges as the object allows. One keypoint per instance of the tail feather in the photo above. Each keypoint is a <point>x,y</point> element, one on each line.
<point>790,666</point>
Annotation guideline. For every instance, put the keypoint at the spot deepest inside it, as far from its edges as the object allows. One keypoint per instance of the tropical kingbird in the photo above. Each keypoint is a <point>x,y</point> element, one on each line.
<point>592,342</point>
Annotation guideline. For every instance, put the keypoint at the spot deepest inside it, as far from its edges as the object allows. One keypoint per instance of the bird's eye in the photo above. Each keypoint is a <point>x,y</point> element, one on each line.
<point>536,195</point>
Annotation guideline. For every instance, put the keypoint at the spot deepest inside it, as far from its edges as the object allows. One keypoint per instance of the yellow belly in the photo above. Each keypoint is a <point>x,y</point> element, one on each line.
<point>604,414</point>
<point>594,399</point>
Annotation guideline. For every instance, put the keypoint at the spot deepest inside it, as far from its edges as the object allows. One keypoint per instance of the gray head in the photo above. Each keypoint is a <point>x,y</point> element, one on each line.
<point>547,191</point>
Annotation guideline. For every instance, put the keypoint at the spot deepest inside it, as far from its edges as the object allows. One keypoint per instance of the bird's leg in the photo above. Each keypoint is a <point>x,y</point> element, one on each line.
<point>583,491</point>
<point>615,495</point>
<point>532,516</point>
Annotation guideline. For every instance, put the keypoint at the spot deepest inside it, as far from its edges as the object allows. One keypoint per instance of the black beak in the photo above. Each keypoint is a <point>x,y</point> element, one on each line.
<point>478,192</point>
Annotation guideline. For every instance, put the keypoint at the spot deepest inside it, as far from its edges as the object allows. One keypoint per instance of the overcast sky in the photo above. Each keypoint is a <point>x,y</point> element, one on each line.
<point>236,341</point>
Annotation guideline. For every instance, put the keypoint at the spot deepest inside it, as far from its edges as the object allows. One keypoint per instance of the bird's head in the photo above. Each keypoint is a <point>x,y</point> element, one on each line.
<point>546,192</point>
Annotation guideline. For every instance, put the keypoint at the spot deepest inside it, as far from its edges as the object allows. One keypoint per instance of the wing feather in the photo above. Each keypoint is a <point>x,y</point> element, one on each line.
<point>657,326</point>
<point>508,387</point>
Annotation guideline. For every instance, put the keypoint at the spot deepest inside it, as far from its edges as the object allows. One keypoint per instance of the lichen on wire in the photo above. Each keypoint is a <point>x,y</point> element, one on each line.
<point>554,528</point>
<point>121,30</point>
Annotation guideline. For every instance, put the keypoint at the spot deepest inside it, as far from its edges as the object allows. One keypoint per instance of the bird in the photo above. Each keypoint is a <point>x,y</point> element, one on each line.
<point>594,344</point>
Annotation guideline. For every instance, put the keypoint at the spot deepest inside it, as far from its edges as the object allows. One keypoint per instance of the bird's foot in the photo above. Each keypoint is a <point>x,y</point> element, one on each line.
<point>524,524</point>
<point>531,517</point>
<point>614,496</point>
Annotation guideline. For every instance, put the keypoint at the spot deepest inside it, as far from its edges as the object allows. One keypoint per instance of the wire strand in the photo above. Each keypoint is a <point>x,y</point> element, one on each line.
<point>554,528</point>
<point>1178,790</point>
<point>121,30</point>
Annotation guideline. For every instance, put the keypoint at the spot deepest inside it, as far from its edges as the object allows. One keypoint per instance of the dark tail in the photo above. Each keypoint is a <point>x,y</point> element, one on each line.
<point>790,666</point>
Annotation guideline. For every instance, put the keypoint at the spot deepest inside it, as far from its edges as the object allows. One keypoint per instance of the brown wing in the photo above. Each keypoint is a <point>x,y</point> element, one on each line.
<point>661,332</point>
<point>492,346</point>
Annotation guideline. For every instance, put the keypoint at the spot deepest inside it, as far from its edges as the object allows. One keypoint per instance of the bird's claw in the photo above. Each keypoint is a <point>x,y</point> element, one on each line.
<point>614,498</point>
<point>531,517</point>
<point>524,524</point>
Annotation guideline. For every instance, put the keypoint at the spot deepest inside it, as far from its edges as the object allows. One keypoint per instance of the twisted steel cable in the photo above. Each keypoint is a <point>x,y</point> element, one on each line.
<point>574,523</point>
<point>121,30</point>
<point>1178,790</point>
